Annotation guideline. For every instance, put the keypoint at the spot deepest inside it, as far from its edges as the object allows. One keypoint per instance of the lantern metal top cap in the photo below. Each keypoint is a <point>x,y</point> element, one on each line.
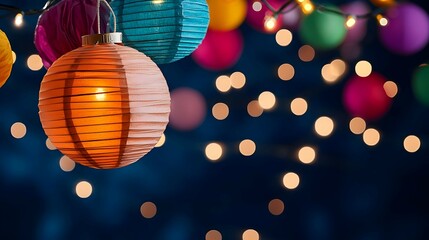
<point>93,39</point>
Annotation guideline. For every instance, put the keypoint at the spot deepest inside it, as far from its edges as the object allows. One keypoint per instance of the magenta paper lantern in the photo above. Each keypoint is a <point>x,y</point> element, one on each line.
<point>256,19</point>
<point>365,97</point>
<point>407,31</point>
<point>60,28</point>
<point>358,31</point>
<point>219,50</point>
<point>188,109</point>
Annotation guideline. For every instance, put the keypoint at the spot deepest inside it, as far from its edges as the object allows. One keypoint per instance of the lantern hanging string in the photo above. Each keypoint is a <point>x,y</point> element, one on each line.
<point>98,15</point>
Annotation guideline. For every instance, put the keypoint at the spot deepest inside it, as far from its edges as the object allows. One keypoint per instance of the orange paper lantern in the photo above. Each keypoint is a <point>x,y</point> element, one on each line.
<point>104,105</point>
<point>6,59</point>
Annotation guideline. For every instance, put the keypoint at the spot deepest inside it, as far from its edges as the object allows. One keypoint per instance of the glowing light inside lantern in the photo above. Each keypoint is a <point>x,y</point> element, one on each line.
<point>100,95</point>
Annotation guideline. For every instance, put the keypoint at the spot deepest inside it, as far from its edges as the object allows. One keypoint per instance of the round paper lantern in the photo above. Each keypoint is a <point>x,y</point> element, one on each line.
<point>358,31</point>
<point>104,105</point>
<point>256,17</point>
<point>6,59</point>
<point>383,3</point>
<point>188,109</point>
<point>366,97</point>
<point>323,30</point>
<point>407,31</point>
<point>60,28</point>
<point>226,15</point>
<point>166,31</point>
<point>421,84</point>
<point>219,50</point>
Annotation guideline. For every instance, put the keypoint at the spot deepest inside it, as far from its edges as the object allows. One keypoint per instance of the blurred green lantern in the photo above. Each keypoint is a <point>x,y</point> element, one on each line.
<point>421,84</point>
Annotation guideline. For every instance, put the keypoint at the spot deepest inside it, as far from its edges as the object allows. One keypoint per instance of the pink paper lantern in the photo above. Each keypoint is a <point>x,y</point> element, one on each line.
<point>407,31</point>
<point>256,19</point>
<point>219,50</point>
<point>358,31</point>
<point>188,109</point>
<point>365,97</point>
<point>60,28</point>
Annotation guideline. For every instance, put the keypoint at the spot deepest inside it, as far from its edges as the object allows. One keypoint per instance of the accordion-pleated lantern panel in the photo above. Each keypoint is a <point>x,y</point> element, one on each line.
<point>6,58</point>
<point>104,106</point>
<point>166,31</point>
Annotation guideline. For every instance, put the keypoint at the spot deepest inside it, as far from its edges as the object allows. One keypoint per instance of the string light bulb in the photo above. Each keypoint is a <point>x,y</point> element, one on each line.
<point>351,21</point>
<point>382,20</point>
<point>307,7</point>
<point>270,22</point>
<point>19,19</point>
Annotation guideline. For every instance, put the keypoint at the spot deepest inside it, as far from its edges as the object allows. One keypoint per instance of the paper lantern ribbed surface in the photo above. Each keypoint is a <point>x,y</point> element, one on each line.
<point>6,59</point>
<point>166,31</point>
<point>104,106</point>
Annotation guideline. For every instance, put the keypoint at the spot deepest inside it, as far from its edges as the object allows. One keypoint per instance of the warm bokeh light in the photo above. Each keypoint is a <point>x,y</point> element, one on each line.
<point>257,6</point>
<point>324,126</point>
<point>148,210</point>
<point>338,67</point>
<point>254,109</point>
<point>250,234</point>
<point>18,130</point>
<point>412,144</point>
<point>214,151</point>
<point>391,89</point>
<point>49,144</point>
<point>83,189</point>
<point>267,100</point>
<point>363,68</point>
<point>382,20</point>
<point>213,235</point>
<point>34,62</point>
<point>327,74</point>
<point>286,72</point>
<point>299,106</point>
<point>284,37</point>
<point>238,80</point>
<point>223,83</point>
<point>276,207</point>
<point>161,141</point>
<point>307,7</point>
<point>306,53</point>
<point>13,57</point>
<point>291,180</point>
<point>371,137</point>
<point>351,21</point>
<point>247,147</point>
<point>307,154</point>
<point>66,164</point>
<point>270,23</point>
<point>220,111</point>
<point>19,20</point>
<point>357,125</point>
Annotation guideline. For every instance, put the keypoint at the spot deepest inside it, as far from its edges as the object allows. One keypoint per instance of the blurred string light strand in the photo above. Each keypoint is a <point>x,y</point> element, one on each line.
<point>20,13</point>
<point>308,6</point>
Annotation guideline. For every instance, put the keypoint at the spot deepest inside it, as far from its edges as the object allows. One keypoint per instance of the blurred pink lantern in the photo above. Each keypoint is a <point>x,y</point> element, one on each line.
<point>60,28</point>
<point>407,30</point>
<point>258,16</point>
<point>188,109</point>
<point>219,50</point>
<point>365,97</point>
<point>358,31</point>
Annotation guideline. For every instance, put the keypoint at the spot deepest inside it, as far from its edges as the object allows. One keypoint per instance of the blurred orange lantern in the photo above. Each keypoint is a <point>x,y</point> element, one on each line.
<point>104,105</point>
<point>6,59</point>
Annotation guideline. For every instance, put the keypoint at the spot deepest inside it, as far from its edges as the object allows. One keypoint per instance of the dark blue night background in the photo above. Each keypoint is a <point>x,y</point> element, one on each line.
<point>352,191</point>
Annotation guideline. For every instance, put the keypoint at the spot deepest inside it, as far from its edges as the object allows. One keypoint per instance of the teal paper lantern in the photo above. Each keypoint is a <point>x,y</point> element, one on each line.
<point>164,30</point>
<point>421,84</point>
<point>323,30</point>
